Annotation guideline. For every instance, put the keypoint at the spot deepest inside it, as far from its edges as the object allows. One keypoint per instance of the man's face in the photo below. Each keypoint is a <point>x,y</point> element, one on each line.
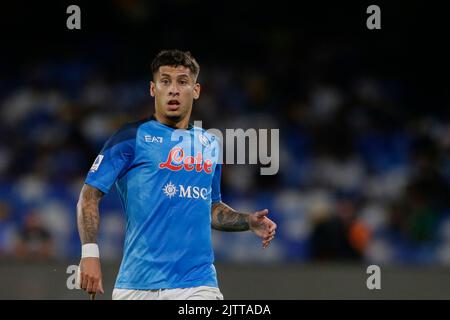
<point>174,89</point>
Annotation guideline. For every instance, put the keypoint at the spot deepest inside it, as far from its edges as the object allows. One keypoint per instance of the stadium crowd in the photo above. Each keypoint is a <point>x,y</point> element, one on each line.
<point>364,172</point>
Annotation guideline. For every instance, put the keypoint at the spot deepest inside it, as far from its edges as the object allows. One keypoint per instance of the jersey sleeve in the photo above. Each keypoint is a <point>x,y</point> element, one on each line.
<point>113,160</point>
<point>215,188</point>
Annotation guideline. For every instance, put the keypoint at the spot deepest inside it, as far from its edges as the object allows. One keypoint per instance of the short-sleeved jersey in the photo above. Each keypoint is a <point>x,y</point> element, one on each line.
<point>167,180</point>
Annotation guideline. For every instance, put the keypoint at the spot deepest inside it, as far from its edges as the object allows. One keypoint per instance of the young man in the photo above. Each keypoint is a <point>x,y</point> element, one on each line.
<point>170,192</point>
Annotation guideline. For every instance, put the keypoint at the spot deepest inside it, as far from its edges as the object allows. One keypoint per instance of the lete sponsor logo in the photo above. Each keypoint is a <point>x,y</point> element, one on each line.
<point>176,161</point>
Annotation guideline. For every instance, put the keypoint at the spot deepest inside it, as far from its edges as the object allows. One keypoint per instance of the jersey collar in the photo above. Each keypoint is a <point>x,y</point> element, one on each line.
<point>190,125</point>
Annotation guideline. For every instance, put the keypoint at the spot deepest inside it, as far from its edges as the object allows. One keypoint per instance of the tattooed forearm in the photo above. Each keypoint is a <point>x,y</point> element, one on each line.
<point>224,218</point>
<point>88,214</point>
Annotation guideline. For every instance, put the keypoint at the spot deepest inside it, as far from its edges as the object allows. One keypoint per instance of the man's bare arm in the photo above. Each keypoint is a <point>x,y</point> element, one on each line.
<point>224,218</point>
<point>88,220</point>
<point>88,217</point>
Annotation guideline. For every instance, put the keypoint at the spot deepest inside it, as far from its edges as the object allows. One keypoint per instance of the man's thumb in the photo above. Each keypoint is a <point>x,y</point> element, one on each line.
<point>262,213</point>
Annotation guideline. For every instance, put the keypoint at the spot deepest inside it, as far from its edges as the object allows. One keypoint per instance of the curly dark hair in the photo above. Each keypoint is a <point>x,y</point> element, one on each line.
<point>175,58</point>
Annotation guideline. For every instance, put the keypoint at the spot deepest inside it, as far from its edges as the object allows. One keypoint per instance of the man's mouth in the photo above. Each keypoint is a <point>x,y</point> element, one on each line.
<point>173,104</point>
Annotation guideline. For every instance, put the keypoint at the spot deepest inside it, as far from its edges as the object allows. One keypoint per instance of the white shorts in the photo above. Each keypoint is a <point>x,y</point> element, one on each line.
<point>194,293</point>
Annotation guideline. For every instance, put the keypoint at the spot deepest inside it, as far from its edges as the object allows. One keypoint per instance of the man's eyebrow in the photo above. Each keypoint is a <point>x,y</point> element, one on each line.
<point>178,76</point>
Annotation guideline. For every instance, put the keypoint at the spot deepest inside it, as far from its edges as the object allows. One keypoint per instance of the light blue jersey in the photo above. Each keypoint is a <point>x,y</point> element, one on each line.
<point>166,188</point>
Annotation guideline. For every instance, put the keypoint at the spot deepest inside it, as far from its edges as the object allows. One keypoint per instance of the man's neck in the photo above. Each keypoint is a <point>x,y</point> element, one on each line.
<point>182,124</point>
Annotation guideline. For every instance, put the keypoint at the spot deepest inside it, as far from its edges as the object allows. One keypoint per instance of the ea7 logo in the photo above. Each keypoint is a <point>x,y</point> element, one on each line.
<point>149,138</point>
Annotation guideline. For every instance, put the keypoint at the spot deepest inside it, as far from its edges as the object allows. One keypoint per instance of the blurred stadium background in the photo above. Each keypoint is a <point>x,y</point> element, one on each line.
<point>364,139</point>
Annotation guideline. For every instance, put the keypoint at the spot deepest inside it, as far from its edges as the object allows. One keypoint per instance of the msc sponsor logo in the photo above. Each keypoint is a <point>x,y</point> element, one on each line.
<point>190,192</point>
<point>170,190</point>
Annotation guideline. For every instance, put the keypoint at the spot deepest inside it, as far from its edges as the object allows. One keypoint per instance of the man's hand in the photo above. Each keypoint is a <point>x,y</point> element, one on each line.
<point>91,276</point>
<point>262,226</point>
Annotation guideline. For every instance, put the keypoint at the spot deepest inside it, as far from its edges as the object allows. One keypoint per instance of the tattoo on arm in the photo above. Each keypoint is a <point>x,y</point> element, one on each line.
<point>224,218</point>
<point>88,217</point>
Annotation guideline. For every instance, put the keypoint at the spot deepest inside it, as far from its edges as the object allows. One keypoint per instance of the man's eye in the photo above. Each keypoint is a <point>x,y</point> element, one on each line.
<point>183,82</point>
<point>165,81</point>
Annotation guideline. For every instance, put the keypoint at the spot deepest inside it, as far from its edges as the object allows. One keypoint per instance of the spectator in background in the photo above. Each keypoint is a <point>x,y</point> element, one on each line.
<point>343,128</point>
<point>415,215</point>
<point>34,241</point>
<point>339,235</point>
<point>7,229</point>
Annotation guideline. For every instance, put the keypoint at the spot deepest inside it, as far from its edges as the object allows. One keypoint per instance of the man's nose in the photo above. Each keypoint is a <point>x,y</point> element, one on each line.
<point>174,90</point>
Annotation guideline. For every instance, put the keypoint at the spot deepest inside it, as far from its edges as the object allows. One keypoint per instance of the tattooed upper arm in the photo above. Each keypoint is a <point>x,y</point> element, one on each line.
<point>88,213</point>
<point>89,193</point>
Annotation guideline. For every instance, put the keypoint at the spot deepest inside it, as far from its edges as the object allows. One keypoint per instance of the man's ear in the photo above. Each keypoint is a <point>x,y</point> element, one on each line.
<point>197,89</point>
<point>152,88</point>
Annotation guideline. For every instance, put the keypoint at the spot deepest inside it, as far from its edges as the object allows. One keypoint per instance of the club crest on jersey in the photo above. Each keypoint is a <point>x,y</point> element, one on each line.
<point>204,140</point>
<point>176,161</point>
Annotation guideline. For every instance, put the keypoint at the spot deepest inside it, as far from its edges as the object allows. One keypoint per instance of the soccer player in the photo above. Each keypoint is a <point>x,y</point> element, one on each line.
<point>170,190</point>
